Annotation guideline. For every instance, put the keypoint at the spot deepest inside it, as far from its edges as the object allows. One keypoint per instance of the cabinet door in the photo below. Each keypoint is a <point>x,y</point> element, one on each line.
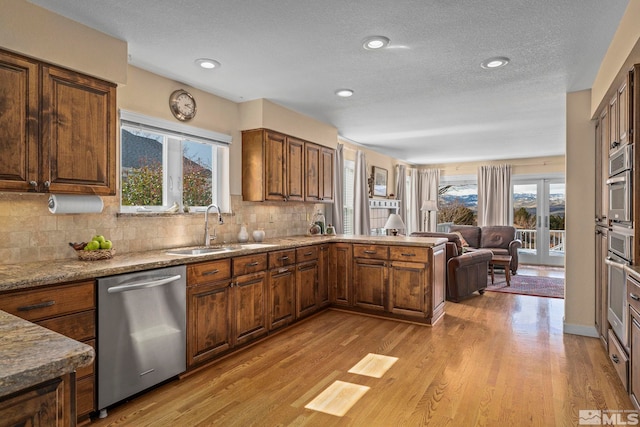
<point>18,123</point>
<point>326,174</point>
<point>282,282</point>
<point>312,169</point>
<point>306,285</point>
<point>42,405</point>
<point>634,386</point>
<point>340,261</point>
<point>275,166</point>
<point>295,163</point>
<point>623,114</point>
<point>407,288</point>
<point>78,133</point>
<point>323,276</point>
<point>370,284</point>
<point>614,142</point>
<point>250,302</point>
<point>208,326</point>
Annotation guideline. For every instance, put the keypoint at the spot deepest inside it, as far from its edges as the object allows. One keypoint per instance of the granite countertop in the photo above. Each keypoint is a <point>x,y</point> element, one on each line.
<point>31,354</point>
<point>633,270</point>
<point>27,275</point>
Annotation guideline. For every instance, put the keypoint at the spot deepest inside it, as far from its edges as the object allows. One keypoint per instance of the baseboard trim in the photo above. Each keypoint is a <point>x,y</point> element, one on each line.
<point>584,330</point>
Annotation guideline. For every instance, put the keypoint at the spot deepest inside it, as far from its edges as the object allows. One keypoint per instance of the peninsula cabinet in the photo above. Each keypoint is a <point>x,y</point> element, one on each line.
<point>69,309</point>
<point>208,310</point>
<point>272,166</point>
<point>370,276</point>
<point>57,130</point>
<point>340,276</point>
<point>282,286</point>
<point>319,173</point>
<point>47,404</point>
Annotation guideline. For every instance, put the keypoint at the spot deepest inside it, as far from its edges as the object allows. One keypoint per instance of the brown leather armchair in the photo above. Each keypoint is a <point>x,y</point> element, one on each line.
<point>466,272</point>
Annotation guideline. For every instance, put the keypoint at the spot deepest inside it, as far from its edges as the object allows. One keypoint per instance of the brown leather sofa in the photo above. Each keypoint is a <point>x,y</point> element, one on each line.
<point>499,239</point>
<point>466,272</point>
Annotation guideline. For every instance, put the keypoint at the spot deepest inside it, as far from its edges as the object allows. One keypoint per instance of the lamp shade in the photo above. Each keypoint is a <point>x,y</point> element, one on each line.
<point>429,206</point>
<point>394,222</point>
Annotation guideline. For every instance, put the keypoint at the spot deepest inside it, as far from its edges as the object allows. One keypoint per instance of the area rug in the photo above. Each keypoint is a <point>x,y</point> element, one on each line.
<point>551,287</point>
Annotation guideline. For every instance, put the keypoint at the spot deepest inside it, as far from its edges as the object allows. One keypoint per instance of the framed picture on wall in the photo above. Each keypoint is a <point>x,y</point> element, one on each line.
<point>379,181</point>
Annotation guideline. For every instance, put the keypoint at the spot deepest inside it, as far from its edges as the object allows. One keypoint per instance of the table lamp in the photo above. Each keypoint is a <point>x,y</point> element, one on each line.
<point>394,223</point>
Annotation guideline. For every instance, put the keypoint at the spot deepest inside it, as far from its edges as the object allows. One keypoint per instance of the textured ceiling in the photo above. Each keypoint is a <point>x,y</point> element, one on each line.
<point>425,99</point>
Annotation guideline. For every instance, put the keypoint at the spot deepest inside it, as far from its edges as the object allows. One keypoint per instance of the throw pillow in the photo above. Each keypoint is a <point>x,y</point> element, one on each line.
<point>462,241</point>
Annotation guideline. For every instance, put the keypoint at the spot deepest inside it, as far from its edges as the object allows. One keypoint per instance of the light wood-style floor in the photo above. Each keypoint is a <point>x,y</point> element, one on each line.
<point>494,360</point>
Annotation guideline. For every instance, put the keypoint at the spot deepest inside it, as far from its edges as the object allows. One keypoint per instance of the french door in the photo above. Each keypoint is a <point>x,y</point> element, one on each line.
<point>539,215</point>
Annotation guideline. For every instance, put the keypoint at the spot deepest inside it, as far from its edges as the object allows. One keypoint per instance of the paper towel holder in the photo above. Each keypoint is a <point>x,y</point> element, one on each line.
<point>74,204</point>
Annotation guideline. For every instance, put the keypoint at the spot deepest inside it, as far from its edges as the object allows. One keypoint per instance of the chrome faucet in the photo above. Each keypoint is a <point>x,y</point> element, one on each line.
<point>207,237</point>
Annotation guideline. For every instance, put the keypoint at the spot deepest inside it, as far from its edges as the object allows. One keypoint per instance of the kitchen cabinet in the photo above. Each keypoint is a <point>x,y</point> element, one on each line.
<point>370,276</point>
<point>602,279</point>
<point>407,280</point>
<point>602,168</point>
<point>633,298</point>
<point>340,275</point>
<point>319,173</point>
<point>59,131</point>
<point>306,281</point>
<point>208,310</point>
<point>249,298</point>
<point>47,404</point>
<point>619,123</point>
<point>282,286</point>
<point>70,310</point>
<point>324,266</point>
<point>272,166</point>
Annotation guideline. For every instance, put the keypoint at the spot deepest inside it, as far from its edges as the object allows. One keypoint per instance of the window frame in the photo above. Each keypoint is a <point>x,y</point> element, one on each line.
<point>174,135</point>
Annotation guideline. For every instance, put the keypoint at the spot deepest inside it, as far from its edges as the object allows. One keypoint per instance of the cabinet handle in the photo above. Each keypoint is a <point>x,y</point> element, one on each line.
<point>47,184</point>
<point>283,258</point>
<point>34,184</point>
<point>36,306</point>
<point>614,144</point>
<point>634,296</point>
<point>615,359</point>
<point>283,270</point>
<point>370,252</point>
<point>211,272</point>
<point>251,264</point>
<point>408,254</point>
<point>308,253</point>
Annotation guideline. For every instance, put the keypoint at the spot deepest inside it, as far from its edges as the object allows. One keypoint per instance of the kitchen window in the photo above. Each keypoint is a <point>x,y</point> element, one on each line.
<point>168,166</point>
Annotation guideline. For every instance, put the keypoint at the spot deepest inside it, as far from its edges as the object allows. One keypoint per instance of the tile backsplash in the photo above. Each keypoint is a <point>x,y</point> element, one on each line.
<point>29,232</point>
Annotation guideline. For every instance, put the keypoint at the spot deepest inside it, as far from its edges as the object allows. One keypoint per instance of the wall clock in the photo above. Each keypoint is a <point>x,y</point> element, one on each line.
<point>182,105</point>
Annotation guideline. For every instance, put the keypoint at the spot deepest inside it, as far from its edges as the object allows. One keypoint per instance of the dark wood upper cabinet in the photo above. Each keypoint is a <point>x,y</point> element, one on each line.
<point>62,139</point>
<point>319,173</point>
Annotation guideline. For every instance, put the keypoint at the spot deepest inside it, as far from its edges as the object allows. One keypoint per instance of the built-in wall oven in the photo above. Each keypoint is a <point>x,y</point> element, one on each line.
<point>620,253</point>
<point>620,184</point>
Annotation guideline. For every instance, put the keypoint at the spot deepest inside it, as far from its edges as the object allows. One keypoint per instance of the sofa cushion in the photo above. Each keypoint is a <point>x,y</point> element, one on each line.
<point>497,236</point>
<point>463,242</point>
<point>471,234</point>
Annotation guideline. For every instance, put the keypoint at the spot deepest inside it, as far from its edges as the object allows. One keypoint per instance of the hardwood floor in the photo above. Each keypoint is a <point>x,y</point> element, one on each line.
<point>495,359</point>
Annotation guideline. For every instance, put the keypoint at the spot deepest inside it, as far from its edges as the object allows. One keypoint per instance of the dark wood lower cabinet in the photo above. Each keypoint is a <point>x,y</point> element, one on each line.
<point>407,288</point>
<point>47,404</point>
<point>282,285</point>
<point>634,377</point>
<point>250,307</point>
<point>370,284</point>
<point>340,276</point>
<point>306,287</point>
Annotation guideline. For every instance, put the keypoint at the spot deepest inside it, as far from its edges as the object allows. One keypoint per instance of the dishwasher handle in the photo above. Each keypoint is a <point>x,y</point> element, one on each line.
<point>143,284</point>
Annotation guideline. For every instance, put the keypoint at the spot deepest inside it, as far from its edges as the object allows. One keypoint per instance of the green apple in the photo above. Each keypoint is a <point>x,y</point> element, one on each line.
<point>99,238</point>
<point>106,244</point>
<point>92,246</point>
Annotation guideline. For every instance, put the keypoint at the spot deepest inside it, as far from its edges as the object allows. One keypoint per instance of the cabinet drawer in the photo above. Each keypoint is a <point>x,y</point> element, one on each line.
<point>308,253</point>
<point>79,326</point>
<point>85,402</point>
<point>249,264</point>
<point>633,293</point>
<point>408,253</point>
<point>207,272</point>
<point>371,251</point>
<point>619,359</point>
<point>51,301</point>
<point>282,258</point>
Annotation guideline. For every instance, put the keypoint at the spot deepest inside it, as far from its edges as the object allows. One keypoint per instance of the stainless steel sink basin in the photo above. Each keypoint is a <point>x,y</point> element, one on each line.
<point>199,251</point>
<point>256,245</point>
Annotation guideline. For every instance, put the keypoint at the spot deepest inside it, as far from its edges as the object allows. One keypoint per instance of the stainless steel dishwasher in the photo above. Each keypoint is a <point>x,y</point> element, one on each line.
<point>141,332</point>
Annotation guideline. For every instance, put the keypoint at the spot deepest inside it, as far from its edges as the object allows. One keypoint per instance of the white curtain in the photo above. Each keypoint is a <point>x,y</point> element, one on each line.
<point>494,195</point>
<point>401,191</point>
<point>338,190</point>
<point>361,223</point>
<point>428,181</point>
<point>413,222</point>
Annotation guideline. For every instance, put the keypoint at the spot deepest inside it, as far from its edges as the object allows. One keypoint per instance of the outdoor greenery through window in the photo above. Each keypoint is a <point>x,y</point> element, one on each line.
<point>164,168</point>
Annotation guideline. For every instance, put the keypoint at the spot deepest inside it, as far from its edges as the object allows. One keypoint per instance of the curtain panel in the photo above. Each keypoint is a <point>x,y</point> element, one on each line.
<point>401,191</point>
<point>494,195</point>
<point>428,182</point>
<point>361,220</point>
<point>413,208</point>
<point>338,190</point>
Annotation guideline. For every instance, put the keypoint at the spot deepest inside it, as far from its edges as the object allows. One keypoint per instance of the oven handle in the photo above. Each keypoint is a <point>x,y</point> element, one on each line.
<point>616,179</point>
<point>145,284</point>
<point>612,263</point>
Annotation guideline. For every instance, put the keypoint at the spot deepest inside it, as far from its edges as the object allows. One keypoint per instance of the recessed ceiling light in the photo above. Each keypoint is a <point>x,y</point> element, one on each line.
<point>208,63</point>
<point>495,62</point>
<point>344,93</point>
<point>375,42</point>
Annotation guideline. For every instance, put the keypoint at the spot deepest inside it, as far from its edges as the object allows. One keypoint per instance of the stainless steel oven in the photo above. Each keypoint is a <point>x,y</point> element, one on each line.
<point>620,242</point>
<point>621,160</point>
<point>617,296</point>
<point>621,197</point>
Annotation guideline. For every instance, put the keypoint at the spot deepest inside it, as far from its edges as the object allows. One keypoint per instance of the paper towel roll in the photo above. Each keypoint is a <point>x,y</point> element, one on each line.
<point>68,204</point>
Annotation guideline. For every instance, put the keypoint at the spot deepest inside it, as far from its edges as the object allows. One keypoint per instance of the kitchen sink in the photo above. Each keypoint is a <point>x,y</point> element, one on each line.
<point>256,245</point>
<point>199,251</point>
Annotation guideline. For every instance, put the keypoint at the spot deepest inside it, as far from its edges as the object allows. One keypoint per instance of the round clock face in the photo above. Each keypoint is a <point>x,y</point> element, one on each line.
<point>183,105</point>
